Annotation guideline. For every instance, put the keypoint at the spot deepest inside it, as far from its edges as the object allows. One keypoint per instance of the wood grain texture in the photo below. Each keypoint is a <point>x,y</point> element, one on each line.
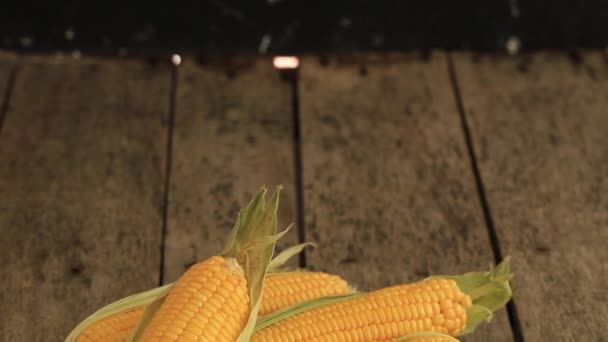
<point>81,174</point>
<point>540,131</point>
<point>389,194</point>
<point>233,134</point>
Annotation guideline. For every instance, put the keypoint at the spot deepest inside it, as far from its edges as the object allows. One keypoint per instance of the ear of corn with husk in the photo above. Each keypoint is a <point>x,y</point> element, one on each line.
<point>221,296</point>
<point>448,305</point>
<point>246,258</point>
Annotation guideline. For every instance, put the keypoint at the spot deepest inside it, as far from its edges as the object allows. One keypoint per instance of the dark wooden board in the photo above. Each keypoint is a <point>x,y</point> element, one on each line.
<point>81,174</point>
<point>232,135</point>
<point>388,191</point>
<point>540,131</point>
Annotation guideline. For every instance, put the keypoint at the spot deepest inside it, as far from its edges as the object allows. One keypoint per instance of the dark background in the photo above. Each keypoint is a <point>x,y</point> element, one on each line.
<point>299,26</point>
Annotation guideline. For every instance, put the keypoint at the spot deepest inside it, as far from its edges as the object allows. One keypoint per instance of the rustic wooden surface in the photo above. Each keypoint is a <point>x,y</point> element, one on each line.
<point>540,130</point>
<point>388,191</point>
<point>233,134</point>
<point>81,185</point>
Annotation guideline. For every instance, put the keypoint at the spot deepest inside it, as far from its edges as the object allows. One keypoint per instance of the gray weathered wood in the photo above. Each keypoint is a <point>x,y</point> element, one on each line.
<point>233,134</point>
<point>389,194</point>
<point>540,130</point>
<point>81,174</point>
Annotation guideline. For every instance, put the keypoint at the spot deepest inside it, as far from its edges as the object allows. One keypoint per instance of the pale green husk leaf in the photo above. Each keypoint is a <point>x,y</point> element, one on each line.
<point>421,334</point>
<point>246,216</point>
<point>293,310</point>
<point>279,261</point>
<point>258,257</point>
<point>476,314</point>
<point>147,316</point>
<point>125,304</point>
<point>265,241</point>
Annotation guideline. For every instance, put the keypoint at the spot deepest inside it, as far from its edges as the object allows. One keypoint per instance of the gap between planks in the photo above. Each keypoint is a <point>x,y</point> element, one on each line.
<point>168,165</point>
<point>514,320</point>
<point>8,90</point>
<point>293,77</point>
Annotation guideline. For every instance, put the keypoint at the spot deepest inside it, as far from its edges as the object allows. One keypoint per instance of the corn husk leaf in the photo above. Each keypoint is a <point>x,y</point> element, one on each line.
<point>476,314</point>
<point>420,335</point>
<point>293,310</point>
<point>248,214</point>
<point>147,316</point>
<point>128,303</point>
<point>266,241</point>
<point>258,257</point>
<point>277,263</point>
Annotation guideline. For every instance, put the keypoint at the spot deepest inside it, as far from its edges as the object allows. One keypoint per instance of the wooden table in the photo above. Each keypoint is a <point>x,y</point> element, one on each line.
<point>117,174</point>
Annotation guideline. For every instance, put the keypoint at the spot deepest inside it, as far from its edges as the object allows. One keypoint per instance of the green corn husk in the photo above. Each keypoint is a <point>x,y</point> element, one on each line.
<point>128,303</point>
<point>415,336</point>
<point>277,263</point>
<point>255,250</point>
<point>251,243</point>
<point>299,308</point>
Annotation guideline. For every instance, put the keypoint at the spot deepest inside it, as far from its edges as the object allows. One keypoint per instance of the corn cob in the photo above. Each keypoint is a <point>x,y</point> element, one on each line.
<point>211,299</point>
<point>382,315</point>
<point>280,291</point>
<point>448,305</point>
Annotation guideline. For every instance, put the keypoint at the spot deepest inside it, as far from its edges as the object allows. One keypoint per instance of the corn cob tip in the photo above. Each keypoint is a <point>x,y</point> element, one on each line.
<point>489,292</point>
<point>234,266</point>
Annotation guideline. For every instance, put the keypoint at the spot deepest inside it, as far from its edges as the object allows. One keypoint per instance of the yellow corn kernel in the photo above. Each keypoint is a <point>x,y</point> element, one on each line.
<point>379,315</point>
<point>223,324</point>
<point>280,290</point>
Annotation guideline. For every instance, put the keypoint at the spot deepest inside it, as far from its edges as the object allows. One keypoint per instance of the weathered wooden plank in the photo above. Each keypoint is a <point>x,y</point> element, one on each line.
<point>540,130</point>
<point>81,174</point>
<point>389,194</point>
<point>233,134</point>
